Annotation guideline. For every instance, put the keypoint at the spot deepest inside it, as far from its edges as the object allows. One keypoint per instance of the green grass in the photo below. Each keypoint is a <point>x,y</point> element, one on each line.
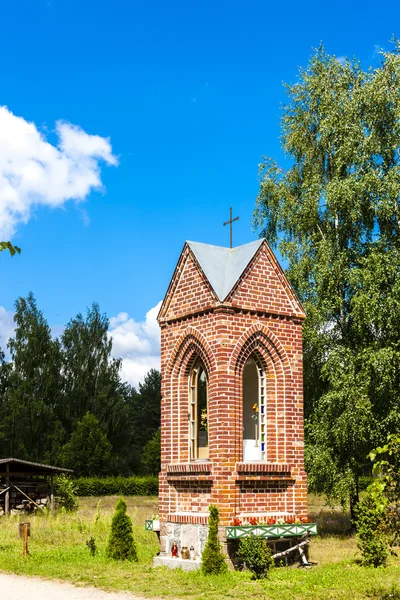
<point>57,548</point>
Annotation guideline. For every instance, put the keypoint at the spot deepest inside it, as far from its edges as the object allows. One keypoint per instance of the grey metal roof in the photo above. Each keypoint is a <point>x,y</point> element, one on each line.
<point>223,266</point>
<point>37,466</point>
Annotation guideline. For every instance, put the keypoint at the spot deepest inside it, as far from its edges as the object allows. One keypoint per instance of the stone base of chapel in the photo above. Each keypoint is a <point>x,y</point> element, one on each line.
<point>195,535</point>
<point>184,534</point>
<point>177,563</point>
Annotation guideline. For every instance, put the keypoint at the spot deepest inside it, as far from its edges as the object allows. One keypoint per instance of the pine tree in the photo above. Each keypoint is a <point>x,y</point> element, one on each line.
<point>151,455</point>
<point>34,391</point>
<point>92,381</point>
<point>212,559</point>
<point>145,408</point>
<point>88,451</point>
<point>121,545</point>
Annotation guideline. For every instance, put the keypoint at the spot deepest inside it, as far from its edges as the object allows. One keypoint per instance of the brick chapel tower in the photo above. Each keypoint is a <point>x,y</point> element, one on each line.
<point>232,392</point>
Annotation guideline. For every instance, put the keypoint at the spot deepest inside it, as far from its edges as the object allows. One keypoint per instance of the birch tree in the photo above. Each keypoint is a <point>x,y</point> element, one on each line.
<point>334,214</point>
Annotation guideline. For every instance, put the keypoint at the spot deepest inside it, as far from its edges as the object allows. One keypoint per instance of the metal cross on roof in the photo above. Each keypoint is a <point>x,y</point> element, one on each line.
<point>230,225</point>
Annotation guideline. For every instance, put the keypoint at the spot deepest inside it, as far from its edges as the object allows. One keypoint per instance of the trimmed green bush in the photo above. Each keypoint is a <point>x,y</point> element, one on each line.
<point>370,524</point>
<point>212,559</point>
<point>125,486</point>
<point>121,545</point>
<point>257,556</point>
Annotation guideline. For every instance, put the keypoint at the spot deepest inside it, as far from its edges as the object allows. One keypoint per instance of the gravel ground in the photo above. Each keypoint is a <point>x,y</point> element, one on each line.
<point>17,587</point>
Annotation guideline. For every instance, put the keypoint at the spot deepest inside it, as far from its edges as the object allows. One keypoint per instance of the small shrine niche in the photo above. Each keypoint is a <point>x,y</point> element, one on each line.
<point>232,404</point>
<point>253,411</point>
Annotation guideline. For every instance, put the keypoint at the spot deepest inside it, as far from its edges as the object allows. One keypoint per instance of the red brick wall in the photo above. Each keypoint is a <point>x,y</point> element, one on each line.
<point>224,335</point>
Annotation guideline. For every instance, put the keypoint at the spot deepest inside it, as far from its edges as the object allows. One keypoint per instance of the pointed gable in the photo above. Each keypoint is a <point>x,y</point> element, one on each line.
<point>248,277</point>
<point>223,266</point>
<point>189,291</point>
<point>264,287</point>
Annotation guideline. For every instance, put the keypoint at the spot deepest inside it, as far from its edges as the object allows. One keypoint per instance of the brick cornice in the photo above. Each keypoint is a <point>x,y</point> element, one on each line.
<point>262,467</point>
<point>193,519</point>
<point>228,309</point>
<point>189,468</point>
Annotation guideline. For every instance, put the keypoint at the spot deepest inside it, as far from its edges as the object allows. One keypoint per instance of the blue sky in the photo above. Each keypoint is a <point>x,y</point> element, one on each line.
<point>189,96</point>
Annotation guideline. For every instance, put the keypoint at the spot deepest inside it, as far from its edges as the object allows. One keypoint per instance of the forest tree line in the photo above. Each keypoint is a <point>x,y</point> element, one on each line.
<point>62,401</point>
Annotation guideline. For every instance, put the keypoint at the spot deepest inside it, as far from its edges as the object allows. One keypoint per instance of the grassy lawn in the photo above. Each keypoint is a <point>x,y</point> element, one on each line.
<point>58,550</point>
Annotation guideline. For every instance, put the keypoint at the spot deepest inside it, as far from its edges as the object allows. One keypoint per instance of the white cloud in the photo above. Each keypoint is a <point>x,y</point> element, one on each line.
<point>34,172</point>
<point>7,326</point>
<point>342,60</point>
<point>133,370</point>
<point>137,343</point>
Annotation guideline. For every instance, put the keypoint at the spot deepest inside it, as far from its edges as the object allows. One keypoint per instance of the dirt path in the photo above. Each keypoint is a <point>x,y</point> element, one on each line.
<point>16,587</point>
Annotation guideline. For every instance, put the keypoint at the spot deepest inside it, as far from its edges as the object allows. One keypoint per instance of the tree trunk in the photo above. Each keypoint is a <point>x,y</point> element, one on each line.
<point>354,500</point>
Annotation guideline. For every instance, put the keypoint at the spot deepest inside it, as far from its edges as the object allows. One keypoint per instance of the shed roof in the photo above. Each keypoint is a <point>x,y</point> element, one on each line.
<point>223,266</point>
<point>25,467</point>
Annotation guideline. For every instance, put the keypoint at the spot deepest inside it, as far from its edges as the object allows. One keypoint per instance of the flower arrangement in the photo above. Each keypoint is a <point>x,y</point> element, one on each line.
<point>288,520</point>
<point>254,416</point>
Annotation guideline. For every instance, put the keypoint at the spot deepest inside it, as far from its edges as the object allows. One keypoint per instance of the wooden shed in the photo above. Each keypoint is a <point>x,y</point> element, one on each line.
<point>26,485</point>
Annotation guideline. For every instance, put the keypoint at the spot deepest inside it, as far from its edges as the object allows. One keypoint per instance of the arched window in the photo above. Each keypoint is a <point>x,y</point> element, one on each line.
<point>254,412</point>
<point>198,412</point>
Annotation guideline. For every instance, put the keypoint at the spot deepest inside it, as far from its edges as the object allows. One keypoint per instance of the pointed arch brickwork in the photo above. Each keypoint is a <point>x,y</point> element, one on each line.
<point>260,342</point>
<point>258,334</point>
<point>191,341</point>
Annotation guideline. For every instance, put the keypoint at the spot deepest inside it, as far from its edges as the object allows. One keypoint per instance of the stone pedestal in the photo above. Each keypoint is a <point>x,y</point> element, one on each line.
<point>177,563</point>
<point>185,534</point>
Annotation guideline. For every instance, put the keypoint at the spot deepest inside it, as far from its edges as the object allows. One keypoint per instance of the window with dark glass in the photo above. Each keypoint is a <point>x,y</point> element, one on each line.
<point>198,413</point>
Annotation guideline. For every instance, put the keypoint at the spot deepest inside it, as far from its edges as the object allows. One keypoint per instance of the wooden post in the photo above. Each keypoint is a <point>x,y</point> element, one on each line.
<point>7,496</point>
<point>51,493</point>
<point>26,539</point>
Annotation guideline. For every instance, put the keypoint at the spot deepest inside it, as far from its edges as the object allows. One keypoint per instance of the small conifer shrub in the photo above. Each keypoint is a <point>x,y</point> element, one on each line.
<point>372,541</point>
<point>257,556</point>
<point>91,544</point>
<point>121,545</point>
<point>212,559</point>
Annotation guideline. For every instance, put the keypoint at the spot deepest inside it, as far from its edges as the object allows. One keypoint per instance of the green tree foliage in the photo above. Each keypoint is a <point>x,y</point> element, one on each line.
<point>257,555</point>
<point>212,559</point>
<point>92,382</point>
<point>31,393</point>
<point>66,495</point>
<point>145,406</point>
<point>5,369</point>
<point>121,545</point>
<point>334,214</point>
<point>88,451</point>
<point>386,470</point>
<point>49,386</point>
<point>378,513</point>
<point>9,246</point>
<point>151,455</point>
